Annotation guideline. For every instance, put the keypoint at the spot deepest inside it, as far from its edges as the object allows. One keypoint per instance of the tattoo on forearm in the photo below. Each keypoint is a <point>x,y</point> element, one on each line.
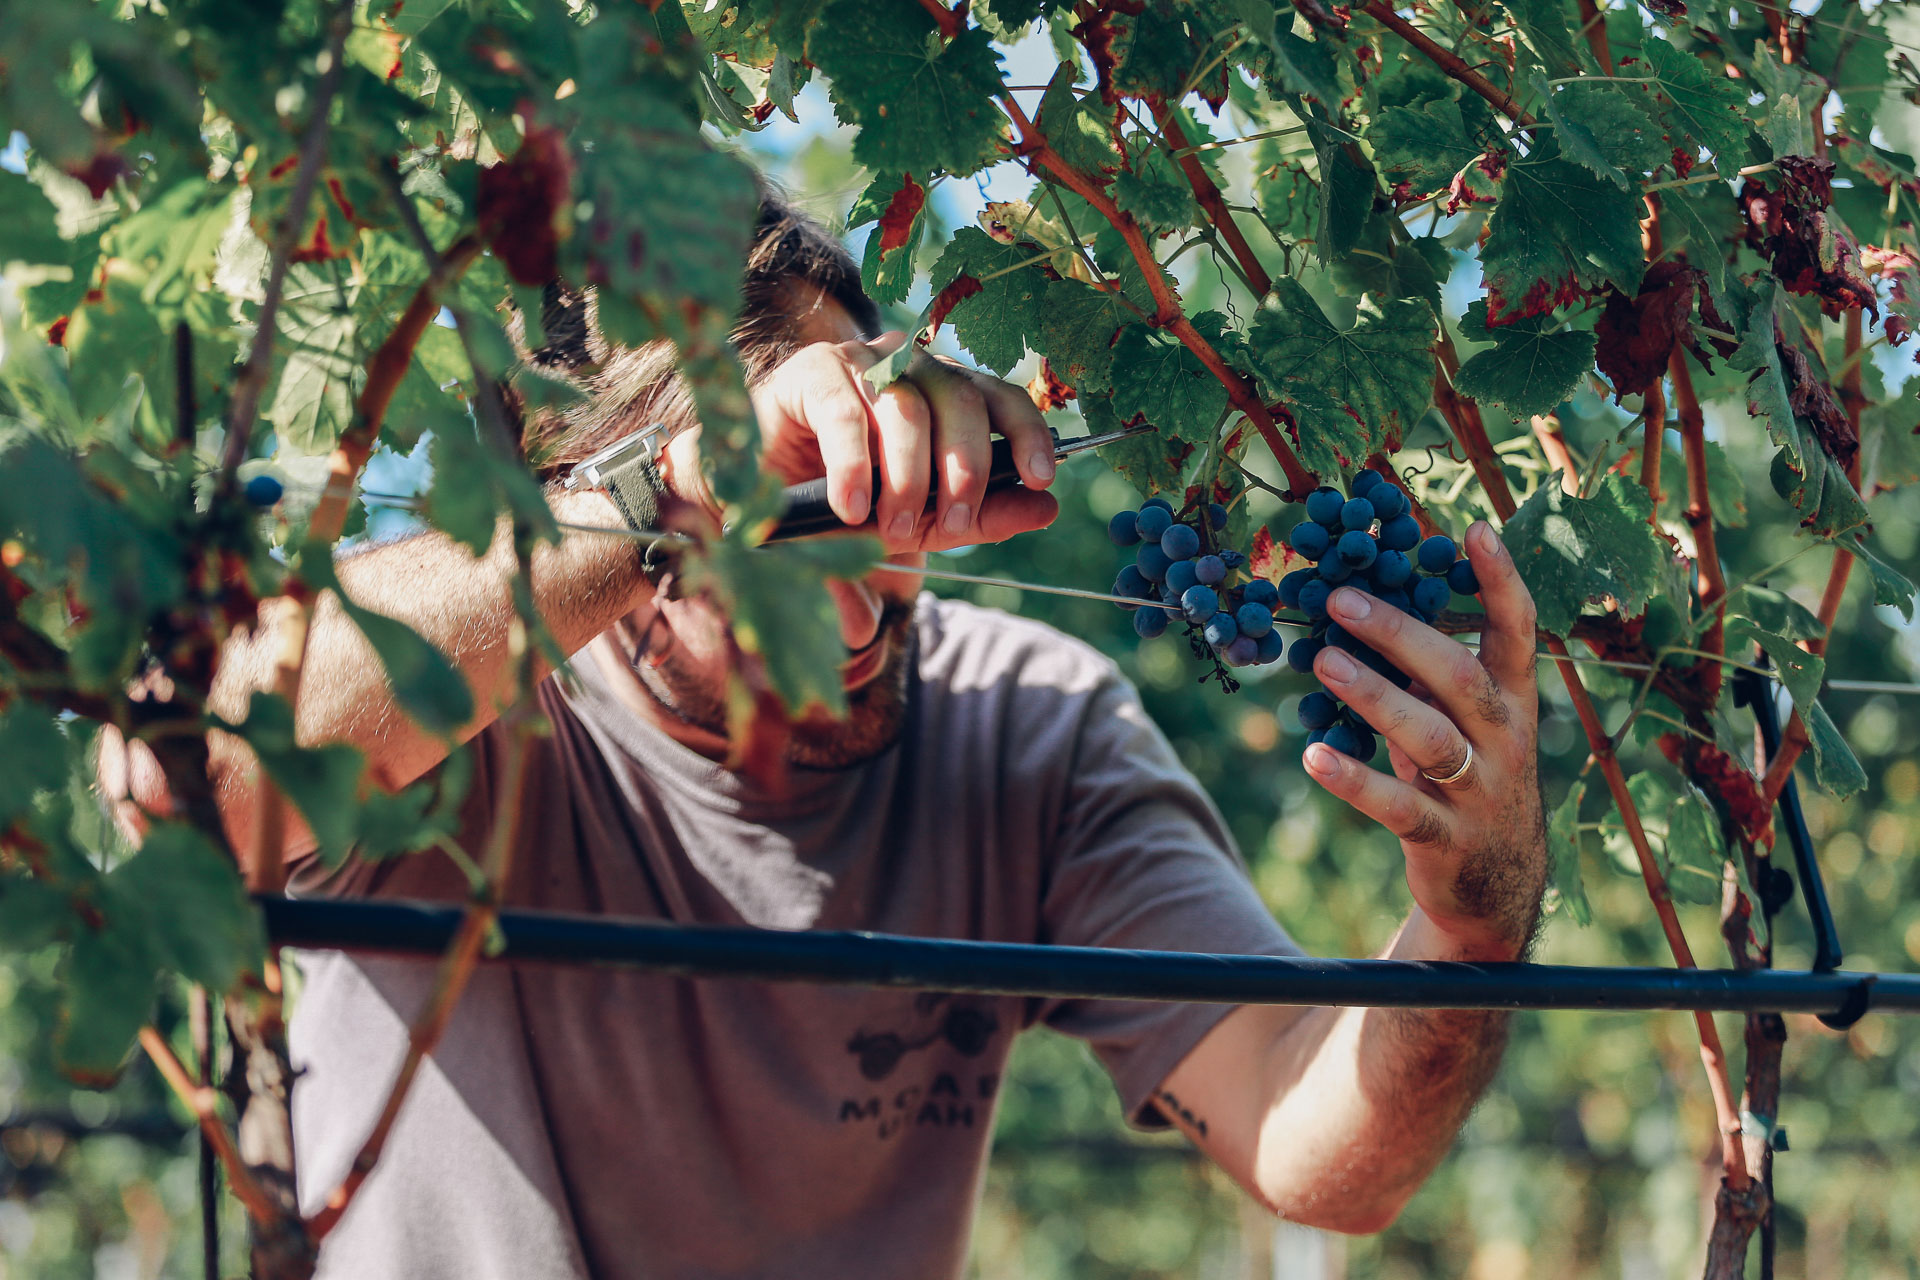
<point>1194,1123</point>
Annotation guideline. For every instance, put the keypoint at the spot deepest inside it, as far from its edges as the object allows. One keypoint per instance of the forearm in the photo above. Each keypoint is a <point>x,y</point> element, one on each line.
<point>1366,1102</point>
<point>1333,1117</point>
<point>461,604</point>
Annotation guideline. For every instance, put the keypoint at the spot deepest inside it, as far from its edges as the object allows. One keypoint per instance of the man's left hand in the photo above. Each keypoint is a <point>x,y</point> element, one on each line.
<point>1476,847</point>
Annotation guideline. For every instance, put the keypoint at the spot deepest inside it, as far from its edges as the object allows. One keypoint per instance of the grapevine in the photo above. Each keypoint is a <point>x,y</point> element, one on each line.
<point>1639,281</point>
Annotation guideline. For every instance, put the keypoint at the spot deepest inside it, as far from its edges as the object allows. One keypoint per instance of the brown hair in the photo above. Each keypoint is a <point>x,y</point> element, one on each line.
<point>628,387</point>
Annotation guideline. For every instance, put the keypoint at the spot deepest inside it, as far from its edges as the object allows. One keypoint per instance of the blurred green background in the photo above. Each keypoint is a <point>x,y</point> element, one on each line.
<point>1593,1153</point>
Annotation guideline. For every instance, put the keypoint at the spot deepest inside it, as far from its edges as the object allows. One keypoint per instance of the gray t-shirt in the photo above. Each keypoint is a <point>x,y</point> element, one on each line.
<point>590,1123</point>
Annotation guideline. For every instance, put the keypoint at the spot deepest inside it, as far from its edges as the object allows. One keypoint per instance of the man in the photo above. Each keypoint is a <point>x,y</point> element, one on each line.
<point>993,780</point>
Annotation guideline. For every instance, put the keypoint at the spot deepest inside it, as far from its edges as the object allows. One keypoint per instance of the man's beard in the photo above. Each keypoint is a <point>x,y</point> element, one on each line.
<point>876,711</point>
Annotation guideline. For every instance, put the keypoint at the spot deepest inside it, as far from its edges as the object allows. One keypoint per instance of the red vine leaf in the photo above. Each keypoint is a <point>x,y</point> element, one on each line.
<point>1636,336</point>
<point>1722,777</point>
<point>1814,402</point>
<point>1811,250</point>
<point>1260,561</point>
<point>1046,390</point>
<point>525,205</point>
<point>1902,274</point>
<point>957,291</point>
<point>101,172</point>
<point>1096,34</point>
<point>896,224</point>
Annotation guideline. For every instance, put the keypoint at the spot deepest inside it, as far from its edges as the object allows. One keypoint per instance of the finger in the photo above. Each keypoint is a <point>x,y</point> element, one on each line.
<point>1006,514</point>
<point>905,425</point>
<point>823,398</point>
<point>1450,672</point>
<point>1012,413</point>
<point>1407,812</point>
<point>962,456</point>
<point>1507,643</point>
<point>1426,737</point>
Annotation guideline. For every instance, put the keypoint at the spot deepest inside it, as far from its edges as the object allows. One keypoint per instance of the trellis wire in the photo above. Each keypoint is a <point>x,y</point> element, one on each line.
<point>651,538</point>
<point>1074,973</point>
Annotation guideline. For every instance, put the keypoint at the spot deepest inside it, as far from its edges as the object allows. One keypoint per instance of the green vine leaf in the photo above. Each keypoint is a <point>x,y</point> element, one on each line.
<point>1380,372</point>
<point>1606,129</point>
<point>998,321</point>
<point>1575,551</point>
<point>1703,110</point>
<point>1423,146</point>
<point>1530,369</point>
<point>1156,378</point>
<point>1836,769</point>
<point>920,103</point>
<point>1567,891</point>
<point>1557,230</point>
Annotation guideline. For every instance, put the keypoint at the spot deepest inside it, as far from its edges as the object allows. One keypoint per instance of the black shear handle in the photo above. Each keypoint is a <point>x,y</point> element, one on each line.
<point>805,512</point>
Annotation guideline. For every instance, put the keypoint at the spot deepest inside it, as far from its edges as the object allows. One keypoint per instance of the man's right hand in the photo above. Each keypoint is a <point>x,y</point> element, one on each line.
<point>927,433</point>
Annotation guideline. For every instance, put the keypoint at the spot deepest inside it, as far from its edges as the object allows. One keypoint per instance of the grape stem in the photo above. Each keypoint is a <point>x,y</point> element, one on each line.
<point>1033,147</point>
<point>1210,198</point>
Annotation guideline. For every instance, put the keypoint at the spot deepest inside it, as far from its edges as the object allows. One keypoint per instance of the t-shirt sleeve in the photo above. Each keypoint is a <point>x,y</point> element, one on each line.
<point>1145,862</point>
<point>429,874</point>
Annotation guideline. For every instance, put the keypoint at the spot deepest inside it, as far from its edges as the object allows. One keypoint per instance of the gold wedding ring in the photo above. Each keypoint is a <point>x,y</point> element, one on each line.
<point>1452,779</point>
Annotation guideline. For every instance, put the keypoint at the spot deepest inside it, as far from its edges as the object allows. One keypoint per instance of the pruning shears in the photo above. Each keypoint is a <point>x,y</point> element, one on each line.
<point>805,513</point>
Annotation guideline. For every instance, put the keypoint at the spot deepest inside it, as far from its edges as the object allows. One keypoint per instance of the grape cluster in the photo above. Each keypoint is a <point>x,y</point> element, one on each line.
<point>1179,576</point>
<point>1369,541</point>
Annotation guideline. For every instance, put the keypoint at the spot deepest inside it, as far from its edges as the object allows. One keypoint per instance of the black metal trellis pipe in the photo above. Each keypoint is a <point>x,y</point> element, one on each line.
<point>1019,969</point>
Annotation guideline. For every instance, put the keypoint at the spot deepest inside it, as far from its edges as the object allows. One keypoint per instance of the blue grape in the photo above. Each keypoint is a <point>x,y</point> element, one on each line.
<point>1356,514</point>
<point>1313,598</point>
<point>1323,505</point>
<point>1150,623</point>
<point>1337,636</point>
<point>1463,579</point>
<point>1288,592</point>
<point>1233,559</point>
<point>1255,619</point>
<point>1180,542</point>
<point>263,491</point>
<point>1319,710</point>
<point>1318,735</point>
<point>1132,582</point>
<point>1310,540</point>
<point>1216,516</point>
<point>1124,528</point>
<point>1344,738</point>
<point>1303,651</point>
<point>1154,521</point>
<point>1168,596</point>
<point>1153,562</point>
<point>1402,533</point>
<point>1199,603</point>
<point>1365,480</point>
<point>1272,648</point>
<point>1161,503</point>
<point>1388,502</point>
<point>1436,554</point>
<point>1211,570</point>
<point>1182,574</point>
<point>1222,630</point>
<point>1350,741</point>
<point>1392,569</point>
<point>1243,652</point>
<point>1260,591</point>
<point>1398,598</point>
<point>1334,571</point>
<point>1431,596</point>
<point>1357,549</point>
